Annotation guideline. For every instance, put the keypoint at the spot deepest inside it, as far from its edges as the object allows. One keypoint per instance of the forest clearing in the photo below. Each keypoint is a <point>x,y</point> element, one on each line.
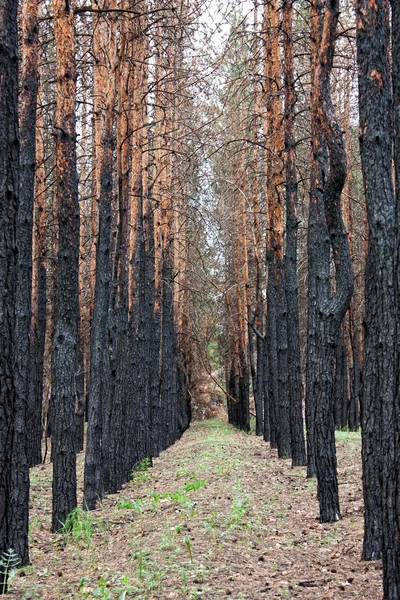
<point>217,516</point>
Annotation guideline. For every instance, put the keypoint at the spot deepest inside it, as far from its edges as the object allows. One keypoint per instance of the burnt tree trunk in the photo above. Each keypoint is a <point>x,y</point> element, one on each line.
<point>327,312</point>
<point>355,372</point>
<point>276,294</point>
<point>290,261</point>
<point>38,322</point>
<point>65,340</point>
<point>377,416</point>
<point>341,398</point>
<point>317,242</point>
<point>391,551</point>
<point>93,479</point>
<point>13,501</point>
<point>271,397</point>
<point>23,300</point>
<point>153,353</point>
<point>114,442</point>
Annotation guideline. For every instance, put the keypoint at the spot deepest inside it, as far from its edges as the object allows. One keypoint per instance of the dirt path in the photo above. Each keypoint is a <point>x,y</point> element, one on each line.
<point>217,516</point>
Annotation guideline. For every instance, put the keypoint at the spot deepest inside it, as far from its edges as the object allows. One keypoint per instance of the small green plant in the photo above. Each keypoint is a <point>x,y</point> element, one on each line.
<point>127,503</point>
<point>82,583</point>
<point>142,556</point>
<point>240,507</point>
<point>183,472</point>
<point>178,528</point>
<point>329,537</point>
<point>311,485</point>
<point>79,524</point>
<point>194,485</point>
<point>184,587</point>
<point>200,573</point>
<point>224,469</point>
<point>102,591</point>
<point>178,496</point>
<point>144,465</point>
<point>140,473</point>
<point>155,501</point>
<point>9,562</point>
<point>167,541</point>
<point>125,587</point>
<point>35,523</point>
<point>211,522</point>
<point>190,509</point>
<point>188,546</point>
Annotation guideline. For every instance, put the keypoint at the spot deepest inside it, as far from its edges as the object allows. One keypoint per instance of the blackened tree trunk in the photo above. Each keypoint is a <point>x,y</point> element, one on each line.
<point>65,340</point>
<point>376,156</point>
<point>153,354</point>
<point>317,242</point>
<point>12,534</point>
<point>138,414</point>
<point>260,368</point>
<point>341,398</point>
<point>355,372</point>
<point>377,411</point>
<point>271,397</point>
<point>23,304</point>
<point>38,322</point>
<point>93,479</point>
<point>258,316</point>
<point>396,100</point>
<point>290,265</point>
<point>276,298</point>
<point>328,311</point>
<point>391,551</point>
<point>168,347</point>
<point>117,428</point>
<point>265,385</point>
<point>80,405</point>
<point>138,418</point>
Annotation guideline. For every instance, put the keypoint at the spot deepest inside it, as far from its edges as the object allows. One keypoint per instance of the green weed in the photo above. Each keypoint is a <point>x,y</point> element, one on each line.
<point>188,545</point>
<point>194,485</point>
<point>9,562</point>
<point>127,503</point>
<point>79,525</point>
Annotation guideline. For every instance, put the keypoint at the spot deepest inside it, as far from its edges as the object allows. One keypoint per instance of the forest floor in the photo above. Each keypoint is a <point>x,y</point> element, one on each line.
<point>217,516</point>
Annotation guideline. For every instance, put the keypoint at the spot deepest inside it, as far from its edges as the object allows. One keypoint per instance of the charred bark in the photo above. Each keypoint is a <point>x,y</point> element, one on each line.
<point>65,340</point>
<point>94,476</point>
<point>13,500</point>
<point>290,261</point>
<point>23,305</point>
<point>38,322</point>
<point>391,550</point>
<point>377,416</point>
<point>328,311</point>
